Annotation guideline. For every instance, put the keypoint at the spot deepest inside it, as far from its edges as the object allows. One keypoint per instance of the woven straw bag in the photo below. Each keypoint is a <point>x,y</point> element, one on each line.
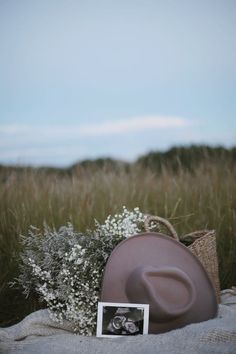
<point>201,243</point>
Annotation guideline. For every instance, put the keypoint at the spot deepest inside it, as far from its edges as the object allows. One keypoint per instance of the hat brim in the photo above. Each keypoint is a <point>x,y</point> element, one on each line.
<point>158,250</point>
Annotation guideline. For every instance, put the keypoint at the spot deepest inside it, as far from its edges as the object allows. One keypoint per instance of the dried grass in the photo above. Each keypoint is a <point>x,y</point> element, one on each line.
<point>203,199</point>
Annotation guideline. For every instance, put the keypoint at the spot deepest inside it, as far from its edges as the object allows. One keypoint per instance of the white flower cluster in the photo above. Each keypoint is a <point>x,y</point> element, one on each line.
<point>123,225</point>
<point>65,268</point>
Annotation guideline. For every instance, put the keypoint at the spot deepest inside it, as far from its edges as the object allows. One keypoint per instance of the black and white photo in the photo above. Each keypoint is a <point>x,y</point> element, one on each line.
<point>122,319</point>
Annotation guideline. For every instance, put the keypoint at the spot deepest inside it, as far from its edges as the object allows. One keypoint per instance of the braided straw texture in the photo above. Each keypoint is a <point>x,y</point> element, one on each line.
<point>203,246</point>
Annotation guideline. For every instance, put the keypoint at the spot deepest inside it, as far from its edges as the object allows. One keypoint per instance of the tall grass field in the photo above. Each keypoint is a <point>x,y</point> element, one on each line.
<point>200,197</point>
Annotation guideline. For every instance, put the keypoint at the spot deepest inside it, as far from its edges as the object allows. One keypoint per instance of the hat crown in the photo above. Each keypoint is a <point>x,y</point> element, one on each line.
<point>151,285</point>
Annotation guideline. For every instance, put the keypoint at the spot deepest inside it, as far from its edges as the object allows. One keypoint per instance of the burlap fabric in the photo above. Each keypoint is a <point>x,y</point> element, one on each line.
<point>38,334</point>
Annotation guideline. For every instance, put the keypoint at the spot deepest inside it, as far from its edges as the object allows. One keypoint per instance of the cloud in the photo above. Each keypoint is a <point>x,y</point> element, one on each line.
<point>65,143</point>
<point>116,127</point>
<point>137,124</point>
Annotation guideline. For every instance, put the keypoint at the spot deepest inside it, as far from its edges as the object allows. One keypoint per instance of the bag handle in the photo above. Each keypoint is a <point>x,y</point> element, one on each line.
<point>162,221</point>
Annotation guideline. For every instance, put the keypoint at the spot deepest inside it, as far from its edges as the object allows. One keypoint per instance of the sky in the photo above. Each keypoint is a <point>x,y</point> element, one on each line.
<point>88,79</point>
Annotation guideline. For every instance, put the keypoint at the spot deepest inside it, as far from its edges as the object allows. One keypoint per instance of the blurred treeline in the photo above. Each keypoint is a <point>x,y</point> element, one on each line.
<point>174,159</point>
<point>188,158</point>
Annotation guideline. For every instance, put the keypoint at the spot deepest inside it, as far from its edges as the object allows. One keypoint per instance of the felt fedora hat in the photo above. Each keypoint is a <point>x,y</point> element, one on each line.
<point>152,268</point>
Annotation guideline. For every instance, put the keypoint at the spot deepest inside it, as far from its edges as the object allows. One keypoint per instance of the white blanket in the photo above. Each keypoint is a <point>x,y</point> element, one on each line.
<point>38,334</point>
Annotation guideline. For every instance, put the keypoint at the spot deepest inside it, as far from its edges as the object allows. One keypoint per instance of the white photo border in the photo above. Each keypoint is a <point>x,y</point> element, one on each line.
<point>101,305</point>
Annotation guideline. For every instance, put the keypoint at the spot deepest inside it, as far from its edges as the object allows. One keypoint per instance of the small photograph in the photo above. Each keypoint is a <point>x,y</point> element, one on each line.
<point>119,319</point>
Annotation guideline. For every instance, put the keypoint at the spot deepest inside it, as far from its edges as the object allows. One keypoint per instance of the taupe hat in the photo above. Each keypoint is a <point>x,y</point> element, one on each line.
<point>152,268</point>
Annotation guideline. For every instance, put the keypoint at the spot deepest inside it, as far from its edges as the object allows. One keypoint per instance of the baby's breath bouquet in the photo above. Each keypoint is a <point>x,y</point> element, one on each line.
<point>65,267</point>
